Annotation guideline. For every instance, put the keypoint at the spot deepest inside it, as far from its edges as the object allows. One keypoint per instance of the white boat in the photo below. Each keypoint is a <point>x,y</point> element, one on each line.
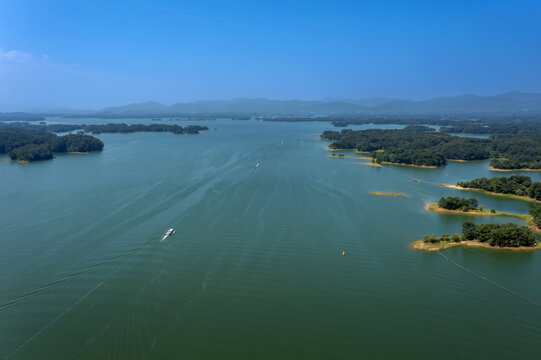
<point>257,165</point>
<point>169,232</point>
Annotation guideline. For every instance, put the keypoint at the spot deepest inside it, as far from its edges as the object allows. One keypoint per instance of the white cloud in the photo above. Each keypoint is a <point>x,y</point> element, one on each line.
<point>17,56</point>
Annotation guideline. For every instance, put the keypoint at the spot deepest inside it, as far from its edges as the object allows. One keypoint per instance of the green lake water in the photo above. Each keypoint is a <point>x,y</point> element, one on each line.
<point>255,269</point>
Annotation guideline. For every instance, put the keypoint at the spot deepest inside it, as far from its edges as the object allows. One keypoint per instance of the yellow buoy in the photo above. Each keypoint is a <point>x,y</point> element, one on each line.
<point>343,253</point>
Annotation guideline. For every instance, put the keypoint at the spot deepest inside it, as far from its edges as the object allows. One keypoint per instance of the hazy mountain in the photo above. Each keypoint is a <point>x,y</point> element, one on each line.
<point>508,103</point>
<point>239,106</point>
<point>145,107</point>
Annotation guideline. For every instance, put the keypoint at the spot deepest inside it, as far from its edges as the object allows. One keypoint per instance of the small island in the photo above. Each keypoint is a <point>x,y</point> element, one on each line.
<point>388,194</point>
<point>126,129</point>
<point>491,236</point>
<point>27,143</point>
<point>24,145</point>
<point>516,187</point>
<point>463,206</point>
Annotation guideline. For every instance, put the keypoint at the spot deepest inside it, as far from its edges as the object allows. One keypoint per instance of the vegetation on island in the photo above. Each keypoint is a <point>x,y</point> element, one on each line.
<point>456,203</point>
<point>509,127</point>
<point>535,212</point>
<point>422,148</point>
<point>485,235</point>
<point>25,142</point>
<point>428,148</point>
<point>109,128</point>
<point>514,185</point>
<point>36,145</point>
<point>124,128</point>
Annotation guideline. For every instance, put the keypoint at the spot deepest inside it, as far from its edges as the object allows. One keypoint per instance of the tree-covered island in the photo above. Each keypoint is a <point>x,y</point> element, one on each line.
<point>27,143</point>
<point>428,148</point>
<point>35,145</point>
<point>463,206</point>
<point>492,236</point>
<point>517,187</point>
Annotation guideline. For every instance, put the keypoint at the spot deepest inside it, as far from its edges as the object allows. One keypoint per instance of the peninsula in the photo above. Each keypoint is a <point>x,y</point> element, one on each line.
<point>491,236</point>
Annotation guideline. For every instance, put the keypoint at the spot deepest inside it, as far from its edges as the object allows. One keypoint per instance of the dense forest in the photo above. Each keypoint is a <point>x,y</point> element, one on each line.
<point>505,235</point>
<point>516,185</point>
<point>410,147</point>
<point>456,203</point>
<point>26,142</point>
<point>517,127</point>
<point>435,148</point>
<point>35,145</point>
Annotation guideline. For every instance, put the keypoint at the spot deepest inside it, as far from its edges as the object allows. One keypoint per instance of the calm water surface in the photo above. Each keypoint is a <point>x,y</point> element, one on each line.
<point>255,269</point>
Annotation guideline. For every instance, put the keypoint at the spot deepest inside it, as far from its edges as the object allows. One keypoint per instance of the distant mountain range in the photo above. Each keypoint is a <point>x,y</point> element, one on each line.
<point>516,103</point>
<point>507,103</point>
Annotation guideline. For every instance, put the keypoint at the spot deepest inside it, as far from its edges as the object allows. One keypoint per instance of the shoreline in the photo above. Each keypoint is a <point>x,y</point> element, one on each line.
<point>419,245</point>
<point>388,194</point>
<point>411,165</point>
<point>511,170</point>
<point>369,164</point>
<point>434,208</point>
<point>509,196</point>
<point>354,150</point>
<point>349,157</point>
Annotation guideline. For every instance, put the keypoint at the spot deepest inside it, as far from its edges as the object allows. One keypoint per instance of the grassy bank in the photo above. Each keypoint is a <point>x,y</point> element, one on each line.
<point>369,164</point>
<point>388,194</point>
<point>510,170</point>
<point>410,165</point>
<point>527,218</point>
<point>508,196</point>
<point>436,209</point>
<point>429,247</point>
<point>340,156</point>
<point>348,150</point>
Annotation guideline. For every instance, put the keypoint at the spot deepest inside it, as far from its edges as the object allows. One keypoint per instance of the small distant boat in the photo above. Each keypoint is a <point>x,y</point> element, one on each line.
<point>168,233</point>
<point>257,165</point>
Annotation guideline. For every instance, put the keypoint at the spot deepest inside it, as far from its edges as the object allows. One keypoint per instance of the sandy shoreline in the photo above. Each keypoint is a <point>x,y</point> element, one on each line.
<point>388,194</point>
<point>436,209</point>
<point>410,165</point>
<point>511,170</point>
<point>420,245</point>
<point>369,164</point>
<point>509,196</point>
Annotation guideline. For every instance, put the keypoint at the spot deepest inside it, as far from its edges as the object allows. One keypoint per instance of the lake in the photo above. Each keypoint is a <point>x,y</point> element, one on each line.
<point>255,269</point>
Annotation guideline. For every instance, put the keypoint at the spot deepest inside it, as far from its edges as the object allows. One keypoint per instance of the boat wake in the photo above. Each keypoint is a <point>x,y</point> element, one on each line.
<point>490,281</point>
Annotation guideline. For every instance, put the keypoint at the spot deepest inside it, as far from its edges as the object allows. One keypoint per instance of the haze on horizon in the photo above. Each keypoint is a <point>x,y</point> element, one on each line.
<point>93,54</point>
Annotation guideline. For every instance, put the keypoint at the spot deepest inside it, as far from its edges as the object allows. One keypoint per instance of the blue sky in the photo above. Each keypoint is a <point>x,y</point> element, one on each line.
<point>91,53</point>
